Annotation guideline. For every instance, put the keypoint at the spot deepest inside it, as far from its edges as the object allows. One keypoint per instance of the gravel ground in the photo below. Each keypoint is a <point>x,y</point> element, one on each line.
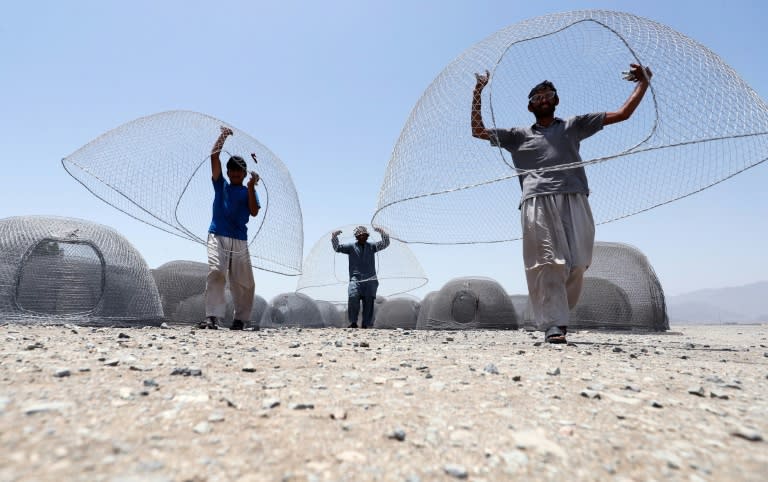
<point>176,404</point>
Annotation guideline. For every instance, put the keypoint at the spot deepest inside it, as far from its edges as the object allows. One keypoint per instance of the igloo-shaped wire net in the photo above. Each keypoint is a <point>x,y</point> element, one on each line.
<point>470,303</point>
<point>181,284</point>
<point>191,310</point>
<point>334,315</point>
<point>65,270</point>
<point>522,309</point>
<point>325,274</point>
<point>602,305</point>
<point>424,306</point>
<point>698,124</point>
<point>398,312</point>
<point>621,292</point>
<point>178,280</point>
<point>344,309</point>
<point>157,170</point>
<point>292,310</point>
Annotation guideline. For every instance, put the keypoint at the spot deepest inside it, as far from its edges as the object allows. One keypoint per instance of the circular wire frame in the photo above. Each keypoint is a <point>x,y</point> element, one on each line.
<point>699,124</point>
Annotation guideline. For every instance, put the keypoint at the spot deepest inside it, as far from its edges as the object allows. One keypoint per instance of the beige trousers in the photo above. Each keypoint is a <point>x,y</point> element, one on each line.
<point>558,238</point>
<point>228,258</point>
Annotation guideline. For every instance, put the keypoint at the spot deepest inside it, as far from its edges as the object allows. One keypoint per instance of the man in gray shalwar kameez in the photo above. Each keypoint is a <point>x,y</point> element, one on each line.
<point>362,272</point>
<point>558,229</point>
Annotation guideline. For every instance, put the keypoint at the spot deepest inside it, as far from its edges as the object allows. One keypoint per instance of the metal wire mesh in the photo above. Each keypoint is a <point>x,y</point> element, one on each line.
<point>522,309</point>
<point>699,124</point>
<point>64,270</point>
<point>333,314</point>
<point>424,307</point>
<point>177,281</point>
<point>603,304</point>
<point>621,291</point>
<point>292,310</point>
<point>469,303</point>
<point>325,274</point>
<point>181,284</point>
<point>157,170</point>
<point>191,310</point>
<point>399,312</point>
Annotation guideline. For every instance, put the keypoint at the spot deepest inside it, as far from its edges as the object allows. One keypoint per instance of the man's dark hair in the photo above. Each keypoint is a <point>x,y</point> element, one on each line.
<point>237,162</point>
<point>541,86</point>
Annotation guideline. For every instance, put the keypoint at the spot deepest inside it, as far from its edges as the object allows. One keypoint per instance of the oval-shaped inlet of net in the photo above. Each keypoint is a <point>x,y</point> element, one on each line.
<point>621,292</point>
<point>325,274</point>
<point>65,270</point>
<point>469,303</point>
<point>698,125</point>
<point>157,170</point>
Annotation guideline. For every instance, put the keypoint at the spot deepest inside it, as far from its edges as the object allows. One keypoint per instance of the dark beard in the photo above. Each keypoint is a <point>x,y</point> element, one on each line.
<point>543,113</point>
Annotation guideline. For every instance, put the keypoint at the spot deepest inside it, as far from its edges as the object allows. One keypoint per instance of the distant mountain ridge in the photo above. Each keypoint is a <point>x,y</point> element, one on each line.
<point>737,304</point>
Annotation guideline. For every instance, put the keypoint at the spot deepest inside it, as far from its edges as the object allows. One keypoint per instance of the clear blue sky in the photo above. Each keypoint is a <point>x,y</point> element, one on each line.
<point>327,86</point>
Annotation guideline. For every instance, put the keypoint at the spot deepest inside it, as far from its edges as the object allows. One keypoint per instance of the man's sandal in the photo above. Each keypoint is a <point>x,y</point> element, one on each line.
<point>556,334</point>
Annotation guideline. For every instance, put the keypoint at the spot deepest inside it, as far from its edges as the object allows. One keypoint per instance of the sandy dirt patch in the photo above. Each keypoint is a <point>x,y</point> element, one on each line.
<point>176,404</point>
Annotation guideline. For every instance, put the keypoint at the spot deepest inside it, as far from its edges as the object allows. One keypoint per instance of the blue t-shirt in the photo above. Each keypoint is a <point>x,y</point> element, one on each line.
<point>230,210</point>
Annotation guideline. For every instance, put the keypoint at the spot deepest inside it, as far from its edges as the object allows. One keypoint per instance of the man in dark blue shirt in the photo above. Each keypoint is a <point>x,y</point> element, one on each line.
<point>228,256</point>
<point>362,272</point>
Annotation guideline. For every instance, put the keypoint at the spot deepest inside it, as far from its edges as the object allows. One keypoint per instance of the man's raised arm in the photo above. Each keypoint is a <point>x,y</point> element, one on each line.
<point>384,243</point>
<point>478,127</point>
<point>641,75</point>
<point>216,149</point>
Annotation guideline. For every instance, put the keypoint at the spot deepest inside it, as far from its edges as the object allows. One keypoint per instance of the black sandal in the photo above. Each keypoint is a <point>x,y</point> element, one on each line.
<point>210,323</point>
<point>556,334</point>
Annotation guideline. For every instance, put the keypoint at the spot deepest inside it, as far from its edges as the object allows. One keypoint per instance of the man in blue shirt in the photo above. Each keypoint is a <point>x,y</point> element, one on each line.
<point>362,272</point>
<point>557,225</point>
<point>228,256</point>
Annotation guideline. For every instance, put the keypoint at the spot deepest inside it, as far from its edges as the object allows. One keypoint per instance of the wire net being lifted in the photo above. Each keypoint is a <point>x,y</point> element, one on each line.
<point>157,170</point>
<point>621,292</point>
<point>325,273</point>
<point>64,270</point>
<point>698,124</point>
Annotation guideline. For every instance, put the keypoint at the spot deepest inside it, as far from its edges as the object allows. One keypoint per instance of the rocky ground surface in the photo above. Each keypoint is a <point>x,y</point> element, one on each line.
<point>177,404</point>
